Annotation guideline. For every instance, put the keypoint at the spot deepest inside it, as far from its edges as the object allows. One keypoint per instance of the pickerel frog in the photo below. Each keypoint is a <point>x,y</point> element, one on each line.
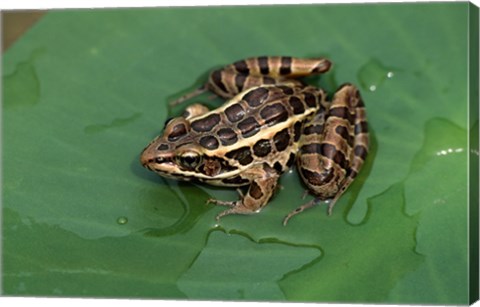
<point>270,121</point>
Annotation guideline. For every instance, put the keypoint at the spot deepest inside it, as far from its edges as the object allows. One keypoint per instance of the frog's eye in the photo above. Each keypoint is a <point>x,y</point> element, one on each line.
<point>189,159</point>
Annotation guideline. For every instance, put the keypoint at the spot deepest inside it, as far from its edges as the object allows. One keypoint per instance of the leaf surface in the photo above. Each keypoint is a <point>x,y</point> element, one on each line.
<point>86,90</point>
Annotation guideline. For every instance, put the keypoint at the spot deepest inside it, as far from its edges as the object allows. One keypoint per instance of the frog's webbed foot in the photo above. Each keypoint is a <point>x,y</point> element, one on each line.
<point>231,204</point>
<point>305,193</point>
<point>302,208</point>
<point>237,207</point>
<point>314,202</point>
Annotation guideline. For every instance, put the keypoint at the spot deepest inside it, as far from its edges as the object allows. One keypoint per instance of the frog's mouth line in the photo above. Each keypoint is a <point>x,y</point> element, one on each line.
<point>152,163</point>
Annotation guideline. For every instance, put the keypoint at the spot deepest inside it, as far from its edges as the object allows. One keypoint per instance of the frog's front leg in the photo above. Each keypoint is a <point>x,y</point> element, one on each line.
<point>263,180</point>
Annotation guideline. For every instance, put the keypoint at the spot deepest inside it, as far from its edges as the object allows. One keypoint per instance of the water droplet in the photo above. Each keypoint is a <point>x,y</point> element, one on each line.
<point>122,220</point>
<point>373,74</point>
<point>445,152</point>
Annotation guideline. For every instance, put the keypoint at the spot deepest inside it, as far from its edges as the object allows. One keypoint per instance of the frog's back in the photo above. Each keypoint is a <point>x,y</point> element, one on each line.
<point>261,124</point>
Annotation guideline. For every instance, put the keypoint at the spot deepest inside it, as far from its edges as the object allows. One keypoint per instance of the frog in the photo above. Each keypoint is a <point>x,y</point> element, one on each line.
<point>270,121</point>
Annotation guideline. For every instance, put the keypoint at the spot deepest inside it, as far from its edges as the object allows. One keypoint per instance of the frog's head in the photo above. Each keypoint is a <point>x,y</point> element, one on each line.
<point>174,153</point>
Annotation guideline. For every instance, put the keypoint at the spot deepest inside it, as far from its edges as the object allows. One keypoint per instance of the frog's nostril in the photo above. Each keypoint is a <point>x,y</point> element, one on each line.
<point>145,159</point>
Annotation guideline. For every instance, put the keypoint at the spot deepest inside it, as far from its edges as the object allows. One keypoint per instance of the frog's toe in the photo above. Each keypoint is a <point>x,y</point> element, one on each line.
<point>300,209</point>
<point>221,202</point>
<point>305,193</point>
<point>222,214</point>
<point>238,208</point>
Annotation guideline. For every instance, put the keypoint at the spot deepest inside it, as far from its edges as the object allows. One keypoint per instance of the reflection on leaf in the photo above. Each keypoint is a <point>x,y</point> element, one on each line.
<point>193,207</point>
<point>117,122</point>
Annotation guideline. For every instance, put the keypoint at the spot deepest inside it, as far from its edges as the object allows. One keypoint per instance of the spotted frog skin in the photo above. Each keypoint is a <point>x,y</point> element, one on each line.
<point>270,121</point>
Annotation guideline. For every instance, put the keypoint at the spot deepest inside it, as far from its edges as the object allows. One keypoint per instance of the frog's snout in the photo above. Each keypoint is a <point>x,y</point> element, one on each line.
<point>146,158</point>
<point>156,156</point>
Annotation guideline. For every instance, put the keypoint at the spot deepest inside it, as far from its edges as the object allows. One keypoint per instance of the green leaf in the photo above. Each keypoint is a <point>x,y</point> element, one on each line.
<point>240,268</point>
<point>352,263</point>
<point>84,92</point>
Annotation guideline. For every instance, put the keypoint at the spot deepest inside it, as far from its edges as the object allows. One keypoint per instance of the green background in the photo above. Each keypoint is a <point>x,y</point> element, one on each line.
<point>86,90</point>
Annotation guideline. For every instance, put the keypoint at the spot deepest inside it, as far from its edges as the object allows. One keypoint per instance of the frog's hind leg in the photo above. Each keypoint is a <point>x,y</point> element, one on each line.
<point>232,79</point>
<point>332,153</point>
<point>256,71</point>
<point>202,89</point>
<point>310,163</point>
<point>225,83</point>
<point>361,140</point>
